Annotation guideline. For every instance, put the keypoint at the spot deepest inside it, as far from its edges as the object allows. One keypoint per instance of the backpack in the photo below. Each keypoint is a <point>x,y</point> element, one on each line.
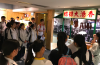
<point>66,60</point>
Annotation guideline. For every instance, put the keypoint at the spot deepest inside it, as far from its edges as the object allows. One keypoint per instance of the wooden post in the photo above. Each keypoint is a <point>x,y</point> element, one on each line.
<point>50,25</point>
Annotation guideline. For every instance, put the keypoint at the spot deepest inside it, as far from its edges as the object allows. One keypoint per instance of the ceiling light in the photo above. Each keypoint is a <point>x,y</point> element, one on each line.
<point>88,5</point>
<point>64,7</point>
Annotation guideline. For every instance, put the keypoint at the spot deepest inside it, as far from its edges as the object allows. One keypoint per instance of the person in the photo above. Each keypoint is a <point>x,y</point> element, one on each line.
<point>33,21</point>
<point>17,19</point>
<point>39,49</point>
<point>95,49</point>
<point>17,26</point>
<point>2,29</point>
<point>27,29</point>
<point>33,35</point>
<point>10,49</point>
<point>41,29</point>
<point>82,56</point>
<point>23,40</point>
<point>12,34</point>
<point>61,49</point>
<point>6,30</point>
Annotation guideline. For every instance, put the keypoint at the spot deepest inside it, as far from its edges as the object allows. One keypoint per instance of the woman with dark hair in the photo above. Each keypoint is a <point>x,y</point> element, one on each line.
<point>39,48</point>
<point>12,34</point>
<point>82,56</point>
<point>61,49</point>
<point>10,49</point>
<point>95,49</point>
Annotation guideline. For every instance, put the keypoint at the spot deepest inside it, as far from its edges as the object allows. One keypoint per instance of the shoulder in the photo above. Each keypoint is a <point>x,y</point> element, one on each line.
<point>48,62</point>
<point>53,53</point>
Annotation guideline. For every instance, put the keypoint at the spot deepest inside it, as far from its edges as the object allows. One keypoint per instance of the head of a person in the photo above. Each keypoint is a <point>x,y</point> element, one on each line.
<point>79,42</point>
<point>33,20</point>
<point>13,24</point>
<point>38,47</point>
<point>3,18</point>
<point>10,49</point>
<point>97,37</point>
<point>30,23</point>
<point>12,18</point>
<point>33,26</point>
<point>42,21</point>
<point>17,18</point>
<point>17,24</point>
<point>62,38</point>
<point>8,25</point>
<point>22,26</point>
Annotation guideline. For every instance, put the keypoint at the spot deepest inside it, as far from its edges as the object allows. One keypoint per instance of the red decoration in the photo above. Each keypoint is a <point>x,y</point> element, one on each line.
<point>83,14</point>
<point>90,14</point>
<point>71,14</point>
<point>65,13</point>
<point>76,14</point>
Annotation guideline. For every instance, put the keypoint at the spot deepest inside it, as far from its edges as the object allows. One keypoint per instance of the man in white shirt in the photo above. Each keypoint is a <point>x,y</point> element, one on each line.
<point>17,19</point>
<point>41,29</point>
<point>33,22</point>
<point>2,29</point>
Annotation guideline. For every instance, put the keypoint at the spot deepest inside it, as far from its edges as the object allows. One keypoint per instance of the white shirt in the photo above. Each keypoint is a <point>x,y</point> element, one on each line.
<point>14,34</point>
<point>41,61</point>
<point>73,47</point>
<point>2,27</point>
<point>17,20</point>
<point>42,27</point>
<point>95,49</point>
<point>87,59</point>
<point>11,62</point>
<point>33,36</point>
<point>23,36</point>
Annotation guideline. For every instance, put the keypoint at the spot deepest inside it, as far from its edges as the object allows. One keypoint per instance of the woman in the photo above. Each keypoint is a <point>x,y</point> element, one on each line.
<point>12,34</point>
<point>62,49</point>
<point>10,49</point>
<point>39,48</point>
<point>95,49</point>
<point>82,56</point>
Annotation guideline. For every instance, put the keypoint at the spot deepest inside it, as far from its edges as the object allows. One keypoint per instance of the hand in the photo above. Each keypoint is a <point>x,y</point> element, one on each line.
<point>25,41</point>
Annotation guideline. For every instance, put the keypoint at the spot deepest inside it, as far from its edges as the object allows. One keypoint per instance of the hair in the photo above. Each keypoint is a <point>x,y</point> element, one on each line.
<point>17,17</point>
<point>31,27</point>
<point>21,25</point>
<point>8,25</point>
<point>98,35</point>
<point>17,23</point>
<point>3,17</point>
<point>12,22</point>
<point>62,36</point>
<point>11,18</point>
<point>29,22</point>
<point>7,48</point>
<point>36,46</point>
<point>32,18</point>
<point>41,20</point>
<point>80,41</point>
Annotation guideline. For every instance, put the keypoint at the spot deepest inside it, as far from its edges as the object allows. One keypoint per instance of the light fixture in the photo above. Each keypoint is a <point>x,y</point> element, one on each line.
<point>88,5</point>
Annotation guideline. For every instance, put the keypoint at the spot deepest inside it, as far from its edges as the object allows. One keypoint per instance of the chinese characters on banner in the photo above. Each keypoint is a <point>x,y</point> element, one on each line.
<point>86,14</point>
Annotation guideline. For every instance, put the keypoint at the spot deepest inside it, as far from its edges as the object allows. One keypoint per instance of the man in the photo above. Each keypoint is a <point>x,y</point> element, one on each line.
<point>2,29</point>
<point>17,19</point>
<point>27,29</point>
<point>41,29</point>
<point>33,22</point>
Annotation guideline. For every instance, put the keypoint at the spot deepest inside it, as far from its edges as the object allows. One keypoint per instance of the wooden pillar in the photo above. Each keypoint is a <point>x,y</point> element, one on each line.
<point>50,25</point>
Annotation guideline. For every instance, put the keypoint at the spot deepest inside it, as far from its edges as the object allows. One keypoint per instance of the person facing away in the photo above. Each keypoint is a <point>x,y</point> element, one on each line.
<point>61,49</point>
<point>22,35</point>
<point>33,35</point>
<point>10,49</point>
<point>12,34</point>
<point>95,49</point>
<point>82,56</point>
<point>41,29</point>
<point>39,49</point>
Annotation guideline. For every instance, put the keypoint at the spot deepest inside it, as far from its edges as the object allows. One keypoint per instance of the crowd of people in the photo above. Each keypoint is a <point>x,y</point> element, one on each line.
<point>15,39</point>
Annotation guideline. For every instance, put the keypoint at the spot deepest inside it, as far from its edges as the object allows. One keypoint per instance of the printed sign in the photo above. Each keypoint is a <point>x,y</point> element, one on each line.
<point>84,14</point>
